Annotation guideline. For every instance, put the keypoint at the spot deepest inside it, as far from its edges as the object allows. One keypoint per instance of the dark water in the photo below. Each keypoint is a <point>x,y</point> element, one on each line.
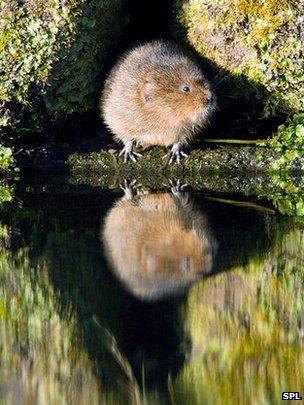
<point>113,297</point>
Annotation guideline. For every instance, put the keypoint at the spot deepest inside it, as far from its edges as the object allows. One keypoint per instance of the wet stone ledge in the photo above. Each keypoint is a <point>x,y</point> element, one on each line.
<point>212,160</point>
<point>248,163</point>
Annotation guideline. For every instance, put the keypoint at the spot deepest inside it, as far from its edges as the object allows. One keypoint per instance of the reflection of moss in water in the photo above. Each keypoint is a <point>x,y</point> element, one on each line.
<point>291,204</point>
<point>41,353</point>
<point>7,160</point>
<point>34,339</point>
<point>78,271</point>
<point>246,328</point>
<point>288,195</point>
<point>6,193</point>
<point>64,248</point>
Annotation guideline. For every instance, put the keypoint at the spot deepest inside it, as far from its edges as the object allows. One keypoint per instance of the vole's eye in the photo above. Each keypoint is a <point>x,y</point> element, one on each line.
<point>185,89</point>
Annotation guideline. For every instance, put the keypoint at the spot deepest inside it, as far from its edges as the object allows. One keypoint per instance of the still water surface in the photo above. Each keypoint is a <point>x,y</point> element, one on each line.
<point>148,298</point>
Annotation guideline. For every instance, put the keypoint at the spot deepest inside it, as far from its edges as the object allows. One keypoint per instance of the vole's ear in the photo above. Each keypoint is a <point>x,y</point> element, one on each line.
<point>148,90</point>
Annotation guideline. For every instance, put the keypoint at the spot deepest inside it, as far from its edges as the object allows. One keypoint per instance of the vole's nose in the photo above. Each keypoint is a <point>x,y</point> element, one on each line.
<point>210,100</point>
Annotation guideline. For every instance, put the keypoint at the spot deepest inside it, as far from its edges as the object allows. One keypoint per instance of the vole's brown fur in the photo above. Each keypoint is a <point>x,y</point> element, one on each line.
<point>157,244</point>
<point>144,98</point>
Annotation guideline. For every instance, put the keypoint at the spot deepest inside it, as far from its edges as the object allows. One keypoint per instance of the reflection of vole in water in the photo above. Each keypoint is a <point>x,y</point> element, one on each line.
<point>158,244</point>
<point>156,95</point>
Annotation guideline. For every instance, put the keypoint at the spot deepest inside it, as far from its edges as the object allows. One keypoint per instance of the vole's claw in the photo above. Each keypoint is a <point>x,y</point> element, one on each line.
<point>178,190</point>
<point>176,187</point>
<point>133,183</point>
<point>176,154</point>
<point>128,153</point>
<point>129,188</point>
<point>127,156</point>
<point>131,156</point>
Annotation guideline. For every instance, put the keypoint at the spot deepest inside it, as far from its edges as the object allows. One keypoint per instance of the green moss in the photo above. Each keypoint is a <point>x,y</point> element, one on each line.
<point>7,160</point>
<point>50,55</point>
<point>289,143</point>
<point>151,166</point>
<point>259,39</point>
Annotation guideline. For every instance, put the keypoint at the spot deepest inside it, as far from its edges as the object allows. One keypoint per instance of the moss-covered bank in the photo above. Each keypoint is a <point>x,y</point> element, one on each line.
<point>51,53</point>
<point>263,40</point>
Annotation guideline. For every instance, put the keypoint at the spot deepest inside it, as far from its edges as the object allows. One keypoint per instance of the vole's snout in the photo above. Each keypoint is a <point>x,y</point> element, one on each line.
<point>210,100</point>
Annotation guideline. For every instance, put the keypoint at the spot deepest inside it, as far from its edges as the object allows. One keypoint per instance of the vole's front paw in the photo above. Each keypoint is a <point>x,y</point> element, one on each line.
<point>128,153</point>
<point>178,190</point>
<point>130,188</point>
<point>176,187</point>
<point>175,154</point>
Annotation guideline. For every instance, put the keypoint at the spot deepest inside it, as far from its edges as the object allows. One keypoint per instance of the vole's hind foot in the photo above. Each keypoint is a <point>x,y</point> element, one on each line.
<point>128,153</point>
<point>175,154</point>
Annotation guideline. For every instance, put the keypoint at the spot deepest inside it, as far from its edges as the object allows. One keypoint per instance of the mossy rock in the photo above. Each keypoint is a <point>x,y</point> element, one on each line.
<point>151,164</point>
<point>260,40</point>
<point>51,53</point>
<point>289,143</point>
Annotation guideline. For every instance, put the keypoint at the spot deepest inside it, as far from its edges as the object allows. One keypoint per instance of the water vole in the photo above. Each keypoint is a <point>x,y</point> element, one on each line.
<point>158,244</point>
<point>156,95</point>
